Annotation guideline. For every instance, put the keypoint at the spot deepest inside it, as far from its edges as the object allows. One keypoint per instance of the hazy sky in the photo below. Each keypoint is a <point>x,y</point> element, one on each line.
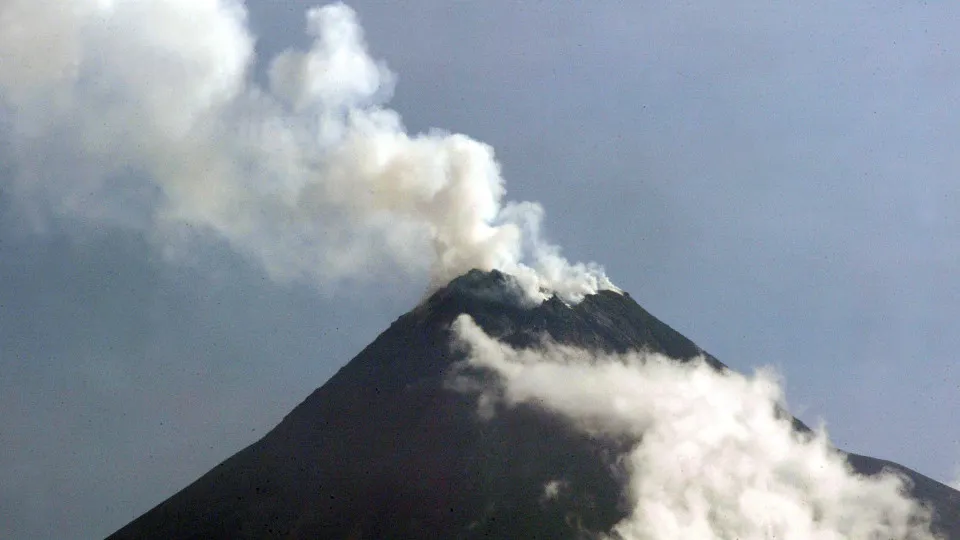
<point>775,181</point>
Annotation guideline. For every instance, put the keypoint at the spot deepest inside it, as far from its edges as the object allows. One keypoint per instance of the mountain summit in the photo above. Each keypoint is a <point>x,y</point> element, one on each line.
<point>389,448</point>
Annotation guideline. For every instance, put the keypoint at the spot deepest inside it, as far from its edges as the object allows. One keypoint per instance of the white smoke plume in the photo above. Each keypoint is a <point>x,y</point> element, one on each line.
<point>145,113</point>
<point>711,460</point>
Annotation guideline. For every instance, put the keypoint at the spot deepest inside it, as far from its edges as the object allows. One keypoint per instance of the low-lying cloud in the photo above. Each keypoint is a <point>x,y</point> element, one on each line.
<point>145,113</point>
<point>711,457</point>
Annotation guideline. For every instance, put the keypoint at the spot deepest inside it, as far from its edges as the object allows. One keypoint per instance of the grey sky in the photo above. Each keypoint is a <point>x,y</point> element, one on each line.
<point>775,181</point>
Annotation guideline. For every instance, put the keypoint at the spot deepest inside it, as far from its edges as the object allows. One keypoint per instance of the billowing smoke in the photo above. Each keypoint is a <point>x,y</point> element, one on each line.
<point>711,458</point>
<point>146,113</point>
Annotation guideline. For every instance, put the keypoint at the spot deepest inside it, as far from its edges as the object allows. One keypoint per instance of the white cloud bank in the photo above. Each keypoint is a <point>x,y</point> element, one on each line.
<point>711,459</point>
<point>144,113</point>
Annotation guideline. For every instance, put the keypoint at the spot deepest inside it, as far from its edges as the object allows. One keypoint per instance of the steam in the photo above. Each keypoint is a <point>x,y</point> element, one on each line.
<point>144,113</point>
<point>711,459</point>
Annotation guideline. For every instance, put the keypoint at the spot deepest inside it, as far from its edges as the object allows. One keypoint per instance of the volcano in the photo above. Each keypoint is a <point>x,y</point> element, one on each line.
<point>388,448</point>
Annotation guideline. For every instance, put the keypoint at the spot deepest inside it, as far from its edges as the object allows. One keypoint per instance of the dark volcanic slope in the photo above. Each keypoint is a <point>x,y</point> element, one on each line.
<point>385,450</point>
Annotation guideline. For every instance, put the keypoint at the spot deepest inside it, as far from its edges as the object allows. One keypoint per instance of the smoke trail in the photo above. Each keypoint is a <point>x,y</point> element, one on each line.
<point>711,459</point>
<point>144,113</point>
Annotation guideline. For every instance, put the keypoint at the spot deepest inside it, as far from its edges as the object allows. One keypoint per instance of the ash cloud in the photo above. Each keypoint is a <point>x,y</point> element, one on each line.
<point>710,459</point>
<point>145,114</point>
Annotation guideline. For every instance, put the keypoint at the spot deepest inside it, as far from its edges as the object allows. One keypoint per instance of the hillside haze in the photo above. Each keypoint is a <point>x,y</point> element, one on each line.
<point>390,447</point>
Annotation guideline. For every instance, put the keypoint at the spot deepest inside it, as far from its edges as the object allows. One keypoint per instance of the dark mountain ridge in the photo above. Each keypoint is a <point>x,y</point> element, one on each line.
<point>386,449</point>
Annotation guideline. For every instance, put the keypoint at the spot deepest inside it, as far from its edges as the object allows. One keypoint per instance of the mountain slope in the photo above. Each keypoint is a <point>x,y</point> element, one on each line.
<point>385,449</point>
